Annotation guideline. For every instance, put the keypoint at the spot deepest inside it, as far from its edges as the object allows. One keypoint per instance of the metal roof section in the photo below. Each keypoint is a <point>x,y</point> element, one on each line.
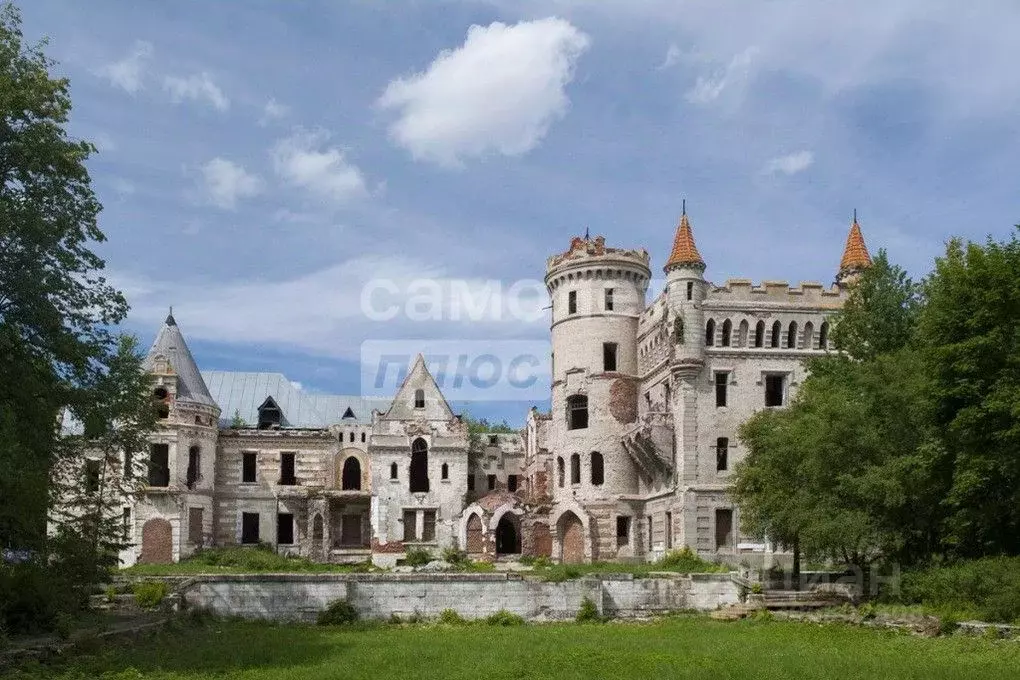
<point>170,344</point>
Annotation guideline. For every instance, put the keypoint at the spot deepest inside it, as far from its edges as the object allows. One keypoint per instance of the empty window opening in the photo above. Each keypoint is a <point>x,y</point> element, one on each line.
<point>724,529</point>
<point>609,356</point>
<point>350,530</point>
<point>419,474</point>
<point>393,470</point>
<point>410,526</point>
<point>350,479</point>
<point>160,393</point>
<point>575,468</point>
<point>823,336</point>
<point>668,530</point>
<point>759,334</point>
<point>727,333</point>
<point>622,530</point>
<point>419,398</point>
<point>666,392</point>
<point>710,333</point>
<point>195,526</point>
<point>125,524</point>
<point>609,299</point>
<point>651,526</point>
<point>690,290</point>
<point>198,420</point>
<point>362,437</point>
<point>775,390</point>
<point>508,536</point>
<point>791,336</point>
<point>493,440</point>
<point>287,476</point>
<point>572,302</point>
<point>777,331</point>
<point>511,483</point>
<point>577,412</point>
<point>598,469</point>
<point>162,411</point>
<point>249,528</point>
<point>159,465</point>
<point>428,525</point>
<point>490,481</point>
<point>444,471</point>
<point>559,471</point>
<point>248,468</point>
<point>317,529</point>
<point>91,476</point>
<point>722,381</point>
<point>722,451</point>
<point>194,467</point>
<point>270,415</point>
<point>471,482</point>
<point>809,335</point>
<point>350,437</point>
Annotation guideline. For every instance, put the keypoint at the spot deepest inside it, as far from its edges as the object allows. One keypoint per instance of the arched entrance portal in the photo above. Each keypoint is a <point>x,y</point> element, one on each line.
<point>571,535</point>
<point>474,535</point>
<point>157,542</point>
<point>508,535</point>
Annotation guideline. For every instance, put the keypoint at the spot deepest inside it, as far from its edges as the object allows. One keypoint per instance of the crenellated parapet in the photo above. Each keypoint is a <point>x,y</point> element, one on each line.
<point>806,294</point>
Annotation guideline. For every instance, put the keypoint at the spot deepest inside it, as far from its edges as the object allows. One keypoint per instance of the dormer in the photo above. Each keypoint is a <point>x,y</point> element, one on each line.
<point>348,414</point>
<point>270,415</point>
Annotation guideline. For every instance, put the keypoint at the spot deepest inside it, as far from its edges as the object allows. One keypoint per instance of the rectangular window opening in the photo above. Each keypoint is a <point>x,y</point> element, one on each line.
<point>249,528</point>
<point>195,526</point>
<point>491,481</point>
<point>159,465</point>
<point>690,290</point>
<point>410,526</point>
<point>722,450</point>
<point>775,390</point>
<point>609,356</point>
<point>428,526</point>
<point>572,302</point>
<point>609,299</point>
<point>511,483</point>
<point>284,528</point>
<point>287,476</point>
<point>722,381</point>
<point>248,468</point>
<point>723,529</point>
<point>622,530</point>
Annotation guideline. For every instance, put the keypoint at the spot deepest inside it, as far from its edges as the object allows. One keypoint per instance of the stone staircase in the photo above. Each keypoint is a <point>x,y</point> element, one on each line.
<point>780,600</point>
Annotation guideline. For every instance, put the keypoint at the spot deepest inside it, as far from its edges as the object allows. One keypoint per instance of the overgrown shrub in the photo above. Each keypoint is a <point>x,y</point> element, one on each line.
<point>504,618</point>
<point>588,612</point>
<point>339,612</point>
<point>150,594</point>
<point>30,598</point>
<point>757,589</point>
<point>990,587</point>
<point>451,618</point>
<point>417,557</point>
<point>454,556</point>
<point>110,594</point>
<point>687,561</point>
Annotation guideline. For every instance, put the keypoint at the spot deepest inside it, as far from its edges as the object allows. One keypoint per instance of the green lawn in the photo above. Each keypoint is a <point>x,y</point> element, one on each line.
<point>673,648</point>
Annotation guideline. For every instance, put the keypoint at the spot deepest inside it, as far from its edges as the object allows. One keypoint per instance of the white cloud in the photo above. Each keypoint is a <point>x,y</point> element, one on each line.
<point>790,164</point>
<point>498,92</point>
<point>707,89</point>
<point>273,110</point>
<point>128,73</point>
<point>226,182</point>
<point>672,57</point>
<point>196,87</point>
<point>304,160</point>
<point>122,187</point>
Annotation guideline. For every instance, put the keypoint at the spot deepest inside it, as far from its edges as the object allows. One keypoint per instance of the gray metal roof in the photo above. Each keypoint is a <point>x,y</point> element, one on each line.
<point>170,343</point>
<point>244,392</point>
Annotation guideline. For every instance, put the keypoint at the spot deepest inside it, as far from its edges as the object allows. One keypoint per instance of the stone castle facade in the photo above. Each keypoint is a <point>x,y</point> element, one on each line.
<point>634,458</point>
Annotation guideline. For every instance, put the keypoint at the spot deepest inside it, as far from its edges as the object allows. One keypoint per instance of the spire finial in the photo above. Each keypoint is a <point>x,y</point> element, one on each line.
<point>170,321</point>
<point>855,215</point>
<point>586,236</point>
<point>683,206</point>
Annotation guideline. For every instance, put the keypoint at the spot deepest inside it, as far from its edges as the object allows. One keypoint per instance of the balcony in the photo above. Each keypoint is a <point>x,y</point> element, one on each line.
<point>649,442</point>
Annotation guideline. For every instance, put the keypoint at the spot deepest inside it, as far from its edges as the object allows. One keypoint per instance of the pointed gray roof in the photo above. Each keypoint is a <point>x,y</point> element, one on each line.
<point>170,344</point>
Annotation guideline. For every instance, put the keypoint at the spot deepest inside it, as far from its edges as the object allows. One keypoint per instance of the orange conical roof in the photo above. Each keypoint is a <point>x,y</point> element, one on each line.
<point>684,251</point>
<point>855,254</point>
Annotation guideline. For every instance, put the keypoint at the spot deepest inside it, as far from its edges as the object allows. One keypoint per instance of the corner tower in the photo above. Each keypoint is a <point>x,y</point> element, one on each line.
<point>855,256</point>
<point>686,290</point>
<point>597,295</point>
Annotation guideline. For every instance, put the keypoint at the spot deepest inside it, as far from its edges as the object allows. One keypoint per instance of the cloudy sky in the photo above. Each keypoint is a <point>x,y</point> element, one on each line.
<point>260,161</point>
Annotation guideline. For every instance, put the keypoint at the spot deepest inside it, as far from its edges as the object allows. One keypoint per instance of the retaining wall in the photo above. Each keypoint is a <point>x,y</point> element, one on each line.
<point>300,597</point>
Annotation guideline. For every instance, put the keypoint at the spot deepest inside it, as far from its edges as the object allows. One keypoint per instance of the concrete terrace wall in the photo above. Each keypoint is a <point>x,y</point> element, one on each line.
<point>300,597</point>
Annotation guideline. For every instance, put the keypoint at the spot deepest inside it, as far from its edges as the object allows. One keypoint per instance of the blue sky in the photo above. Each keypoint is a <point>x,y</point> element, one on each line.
<point>261,161</point>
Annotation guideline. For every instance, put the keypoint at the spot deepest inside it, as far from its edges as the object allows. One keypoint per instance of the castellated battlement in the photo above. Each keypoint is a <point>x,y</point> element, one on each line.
<point>807,293</point>
<point>597,260</point>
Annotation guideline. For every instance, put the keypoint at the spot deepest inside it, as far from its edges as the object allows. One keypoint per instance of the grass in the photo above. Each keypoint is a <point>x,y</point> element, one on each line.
<point>238,560</point>
<point>683,561</point>
<point>684,647</point>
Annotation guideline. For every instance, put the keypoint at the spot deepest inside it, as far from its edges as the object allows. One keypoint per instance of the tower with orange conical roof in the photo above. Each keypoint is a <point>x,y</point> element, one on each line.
<point>855,256</point>
<point>686,289</point>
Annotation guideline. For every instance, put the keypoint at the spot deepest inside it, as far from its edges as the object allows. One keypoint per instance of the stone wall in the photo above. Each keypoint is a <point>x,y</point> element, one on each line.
<point>300,597</point>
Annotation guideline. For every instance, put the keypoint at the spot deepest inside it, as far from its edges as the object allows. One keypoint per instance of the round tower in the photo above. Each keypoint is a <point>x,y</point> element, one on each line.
<point>686,290</point>
<point>597,295</point>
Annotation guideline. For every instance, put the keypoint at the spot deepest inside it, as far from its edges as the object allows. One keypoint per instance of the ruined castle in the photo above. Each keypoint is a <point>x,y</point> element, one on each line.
<point>634,458</point>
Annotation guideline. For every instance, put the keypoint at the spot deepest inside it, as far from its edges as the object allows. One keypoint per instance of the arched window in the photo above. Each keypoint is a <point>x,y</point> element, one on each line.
<point>742,334</point>
<point>559,471</point>
<point>575,468</point>
<point>317,528</point>
<point>350,480</point>
<point>759,334</point>
<point>445,471</point>
<point>727,333</point>
<point>194,467</point>
<point>710,333</point>
<point>791,336</point>
<point>419,476</point>
<point>809,335</point>
<point>577,412</point>
<point>823,336</point>
<point>351,438</point>
<point>598,469</point>
<point>419,398</point>
<point>393,470</point>
<point>362,437</point>
<point>777,331</point>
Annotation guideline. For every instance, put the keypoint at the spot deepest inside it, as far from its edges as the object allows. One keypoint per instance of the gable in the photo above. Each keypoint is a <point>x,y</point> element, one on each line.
<point>419,378</point>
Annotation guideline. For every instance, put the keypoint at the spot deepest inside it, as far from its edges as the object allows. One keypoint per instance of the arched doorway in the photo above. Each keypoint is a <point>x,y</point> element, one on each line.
<point>157,542</point>
<point>508,535</point>
<point>419,476</point>
<point>351,477</point>
<point>474,535</point>
<point>571,535</point>
<point>542,540</point>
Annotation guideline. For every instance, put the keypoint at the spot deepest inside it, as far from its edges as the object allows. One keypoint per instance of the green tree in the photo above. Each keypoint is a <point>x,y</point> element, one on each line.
<point>969,335</point>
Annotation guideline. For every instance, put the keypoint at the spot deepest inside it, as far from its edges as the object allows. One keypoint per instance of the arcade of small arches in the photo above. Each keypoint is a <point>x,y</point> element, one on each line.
<point>596,468</point>
<point>509,531</point>
<point>777,336</point>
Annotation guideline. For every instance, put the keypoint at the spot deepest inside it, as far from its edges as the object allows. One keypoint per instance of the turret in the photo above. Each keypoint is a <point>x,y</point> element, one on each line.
<point>686,290</point>
<point>855,256</point>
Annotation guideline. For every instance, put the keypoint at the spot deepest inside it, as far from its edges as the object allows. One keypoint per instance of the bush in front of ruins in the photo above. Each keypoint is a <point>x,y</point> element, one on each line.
<point>988,588</point>
<point>504,618</point>
<point>417,557</point>
<point>150,594</point>
<point>340,612</point>
<point>687,561</point>
<point>450,617</point>
<point>454,556</point>
<point>588,612</point>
